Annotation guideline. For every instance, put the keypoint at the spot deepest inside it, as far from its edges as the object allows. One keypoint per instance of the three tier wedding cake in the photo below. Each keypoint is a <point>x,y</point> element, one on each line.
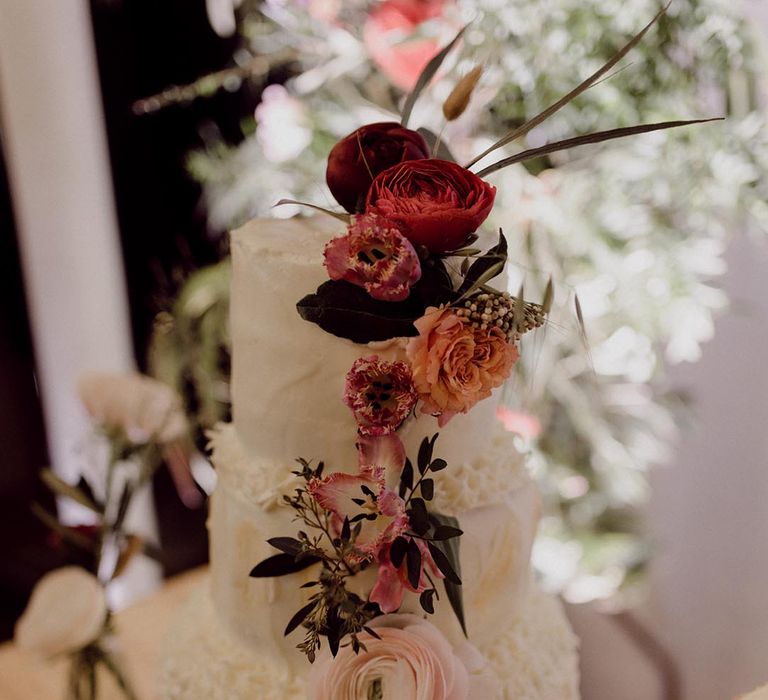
<point>372,526</point>
<point>288,381</point>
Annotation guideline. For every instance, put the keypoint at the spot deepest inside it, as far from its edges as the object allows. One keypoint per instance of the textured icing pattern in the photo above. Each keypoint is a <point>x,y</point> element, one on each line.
<point>535,658</point>
<point>288,375</point>
<point>256,483</point>
<point>498,470</point>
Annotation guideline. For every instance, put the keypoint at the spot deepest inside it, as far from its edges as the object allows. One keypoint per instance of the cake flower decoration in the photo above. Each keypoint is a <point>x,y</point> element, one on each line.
<point>410,658</point>
<point>457,363</point>
<point>375,255</point>
<point>365,498</point>
<point>380,394</point>
<point>360,156</point>
<point>437,203</point>
<point>393,578</point>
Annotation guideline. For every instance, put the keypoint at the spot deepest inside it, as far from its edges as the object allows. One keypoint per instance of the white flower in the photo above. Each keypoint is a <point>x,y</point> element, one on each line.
<point>221,15</point>
<point>141,406</point>
<point>760,693</point>
<point>283,131</point>
<point>66,612</point>
<point>411,659</point>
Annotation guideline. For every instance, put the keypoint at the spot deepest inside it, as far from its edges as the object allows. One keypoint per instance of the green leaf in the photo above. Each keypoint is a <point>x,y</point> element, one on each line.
<point>442,152</point>
<point>426,448</point>
<point>449,549</point>
<point>596,137</point>
<point>485,268</point>
<point>298,618</point>
<point>428,489</point>
<point>289,545</point>
<point>341,216</point>
<point>282,565</point>
<point>586,84</point>
<point>348,311</point>
<point>426,75</point>
<point>62,488</point>
<point>444,564</point>
<point>406,478</point>
<point>413,563</point>
<point>397,551</point>
<point>418,516</point>
<point>446,532</point>
<point>346,530</point>
<point>437,465</point>
<point>427,602</point>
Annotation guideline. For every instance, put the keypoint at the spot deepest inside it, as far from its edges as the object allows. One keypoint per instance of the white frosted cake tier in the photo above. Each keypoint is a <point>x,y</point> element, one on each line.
<point>535,658</point>
<point>287,385</point>
<point>494,551</point>
<point>288,374</point>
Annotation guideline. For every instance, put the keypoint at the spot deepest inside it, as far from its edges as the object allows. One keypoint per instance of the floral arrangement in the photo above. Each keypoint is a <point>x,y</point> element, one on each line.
<point>68,613</point>
<point>406,268</point>
<point>604,418</point>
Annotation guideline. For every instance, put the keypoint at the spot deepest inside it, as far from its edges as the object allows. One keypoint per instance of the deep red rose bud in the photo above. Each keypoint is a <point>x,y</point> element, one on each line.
<point>436,203</point>
<point>358,158</point>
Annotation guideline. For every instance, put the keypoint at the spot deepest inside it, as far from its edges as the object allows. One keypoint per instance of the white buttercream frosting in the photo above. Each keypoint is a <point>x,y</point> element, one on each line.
<point>288,374</point>
<point>287,384</point>
<point>499,521</point>
<point>534,657</point>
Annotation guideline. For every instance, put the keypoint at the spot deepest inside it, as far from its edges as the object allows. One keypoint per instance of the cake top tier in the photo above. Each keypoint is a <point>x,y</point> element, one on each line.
<point>288,375</point>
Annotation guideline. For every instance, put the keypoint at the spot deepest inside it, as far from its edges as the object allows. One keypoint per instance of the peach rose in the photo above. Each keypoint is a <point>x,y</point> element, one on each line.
<point>412,659</point>
<point>455,365</point>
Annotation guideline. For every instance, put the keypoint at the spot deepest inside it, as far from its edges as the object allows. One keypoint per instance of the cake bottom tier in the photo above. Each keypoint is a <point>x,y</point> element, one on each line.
<point>535,658</point>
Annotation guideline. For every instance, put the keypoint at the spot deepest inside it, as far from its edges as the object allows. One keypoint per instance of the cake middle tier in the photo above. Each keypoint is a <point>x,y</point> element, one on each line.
<point>496,504</point>
<point>288,375</point>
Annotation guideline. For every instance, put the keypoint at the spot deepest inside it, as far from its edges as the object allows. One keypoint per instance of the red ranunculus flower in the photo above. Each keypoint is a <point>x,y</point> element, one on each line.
<point>358,158</point>
<point>436,203</point>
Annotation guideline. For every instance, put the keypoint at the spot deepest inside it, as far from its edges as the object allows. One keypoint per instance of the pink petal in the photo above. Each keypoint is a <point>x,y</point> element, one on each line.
<point>335,492</point>
<point>386,451</point>
<point>388,590</point>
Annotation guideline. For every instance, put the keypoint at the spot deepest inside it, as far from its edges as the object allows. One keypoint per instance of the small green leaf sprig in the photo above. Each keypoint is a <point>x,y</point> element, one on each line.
<point>335,612</point>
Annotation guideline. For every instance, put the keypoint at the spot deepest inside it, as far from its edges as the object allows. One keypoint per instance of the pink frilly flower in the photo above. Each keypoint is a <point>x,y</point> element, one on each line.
<point>375,255</point>
<point>408,658</point>
<point>380,394</point>
<point>365,497</point>
<point>455,365</point>
<point>392,582</point>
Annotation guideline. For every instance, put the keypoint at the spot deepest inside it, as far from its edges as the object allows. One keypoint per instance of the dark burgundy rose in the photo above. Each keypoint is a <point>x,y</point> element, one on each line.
<point>435,203</point>
<point>358,158</point>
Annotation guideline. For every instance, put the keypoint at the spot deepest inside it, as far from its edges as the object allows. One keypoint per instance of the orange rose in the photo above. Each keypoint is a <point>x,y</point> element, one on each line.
<point>456,365</point>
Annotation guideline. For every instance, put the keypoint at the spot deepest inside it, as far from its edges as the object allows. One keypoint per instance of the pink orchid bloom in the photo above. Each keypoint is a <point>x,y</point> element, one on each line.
<point>375,255</point>
<point>364,497</point>
<point>380,394</point>
<point>392,583</point>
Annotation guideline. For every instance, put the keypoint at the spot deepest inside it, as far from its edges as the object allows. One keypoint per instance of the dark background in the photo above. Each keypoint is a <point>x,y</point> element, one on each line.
<point>143,47</point>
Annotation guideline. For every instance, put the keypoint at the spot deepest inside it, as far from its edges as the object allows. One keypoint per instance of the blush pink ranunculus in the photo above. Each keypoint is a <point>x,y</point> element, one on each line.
<point>455,365</point>
<point>410,659</point>
<point>376,256</point>
<point>389,36</point>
